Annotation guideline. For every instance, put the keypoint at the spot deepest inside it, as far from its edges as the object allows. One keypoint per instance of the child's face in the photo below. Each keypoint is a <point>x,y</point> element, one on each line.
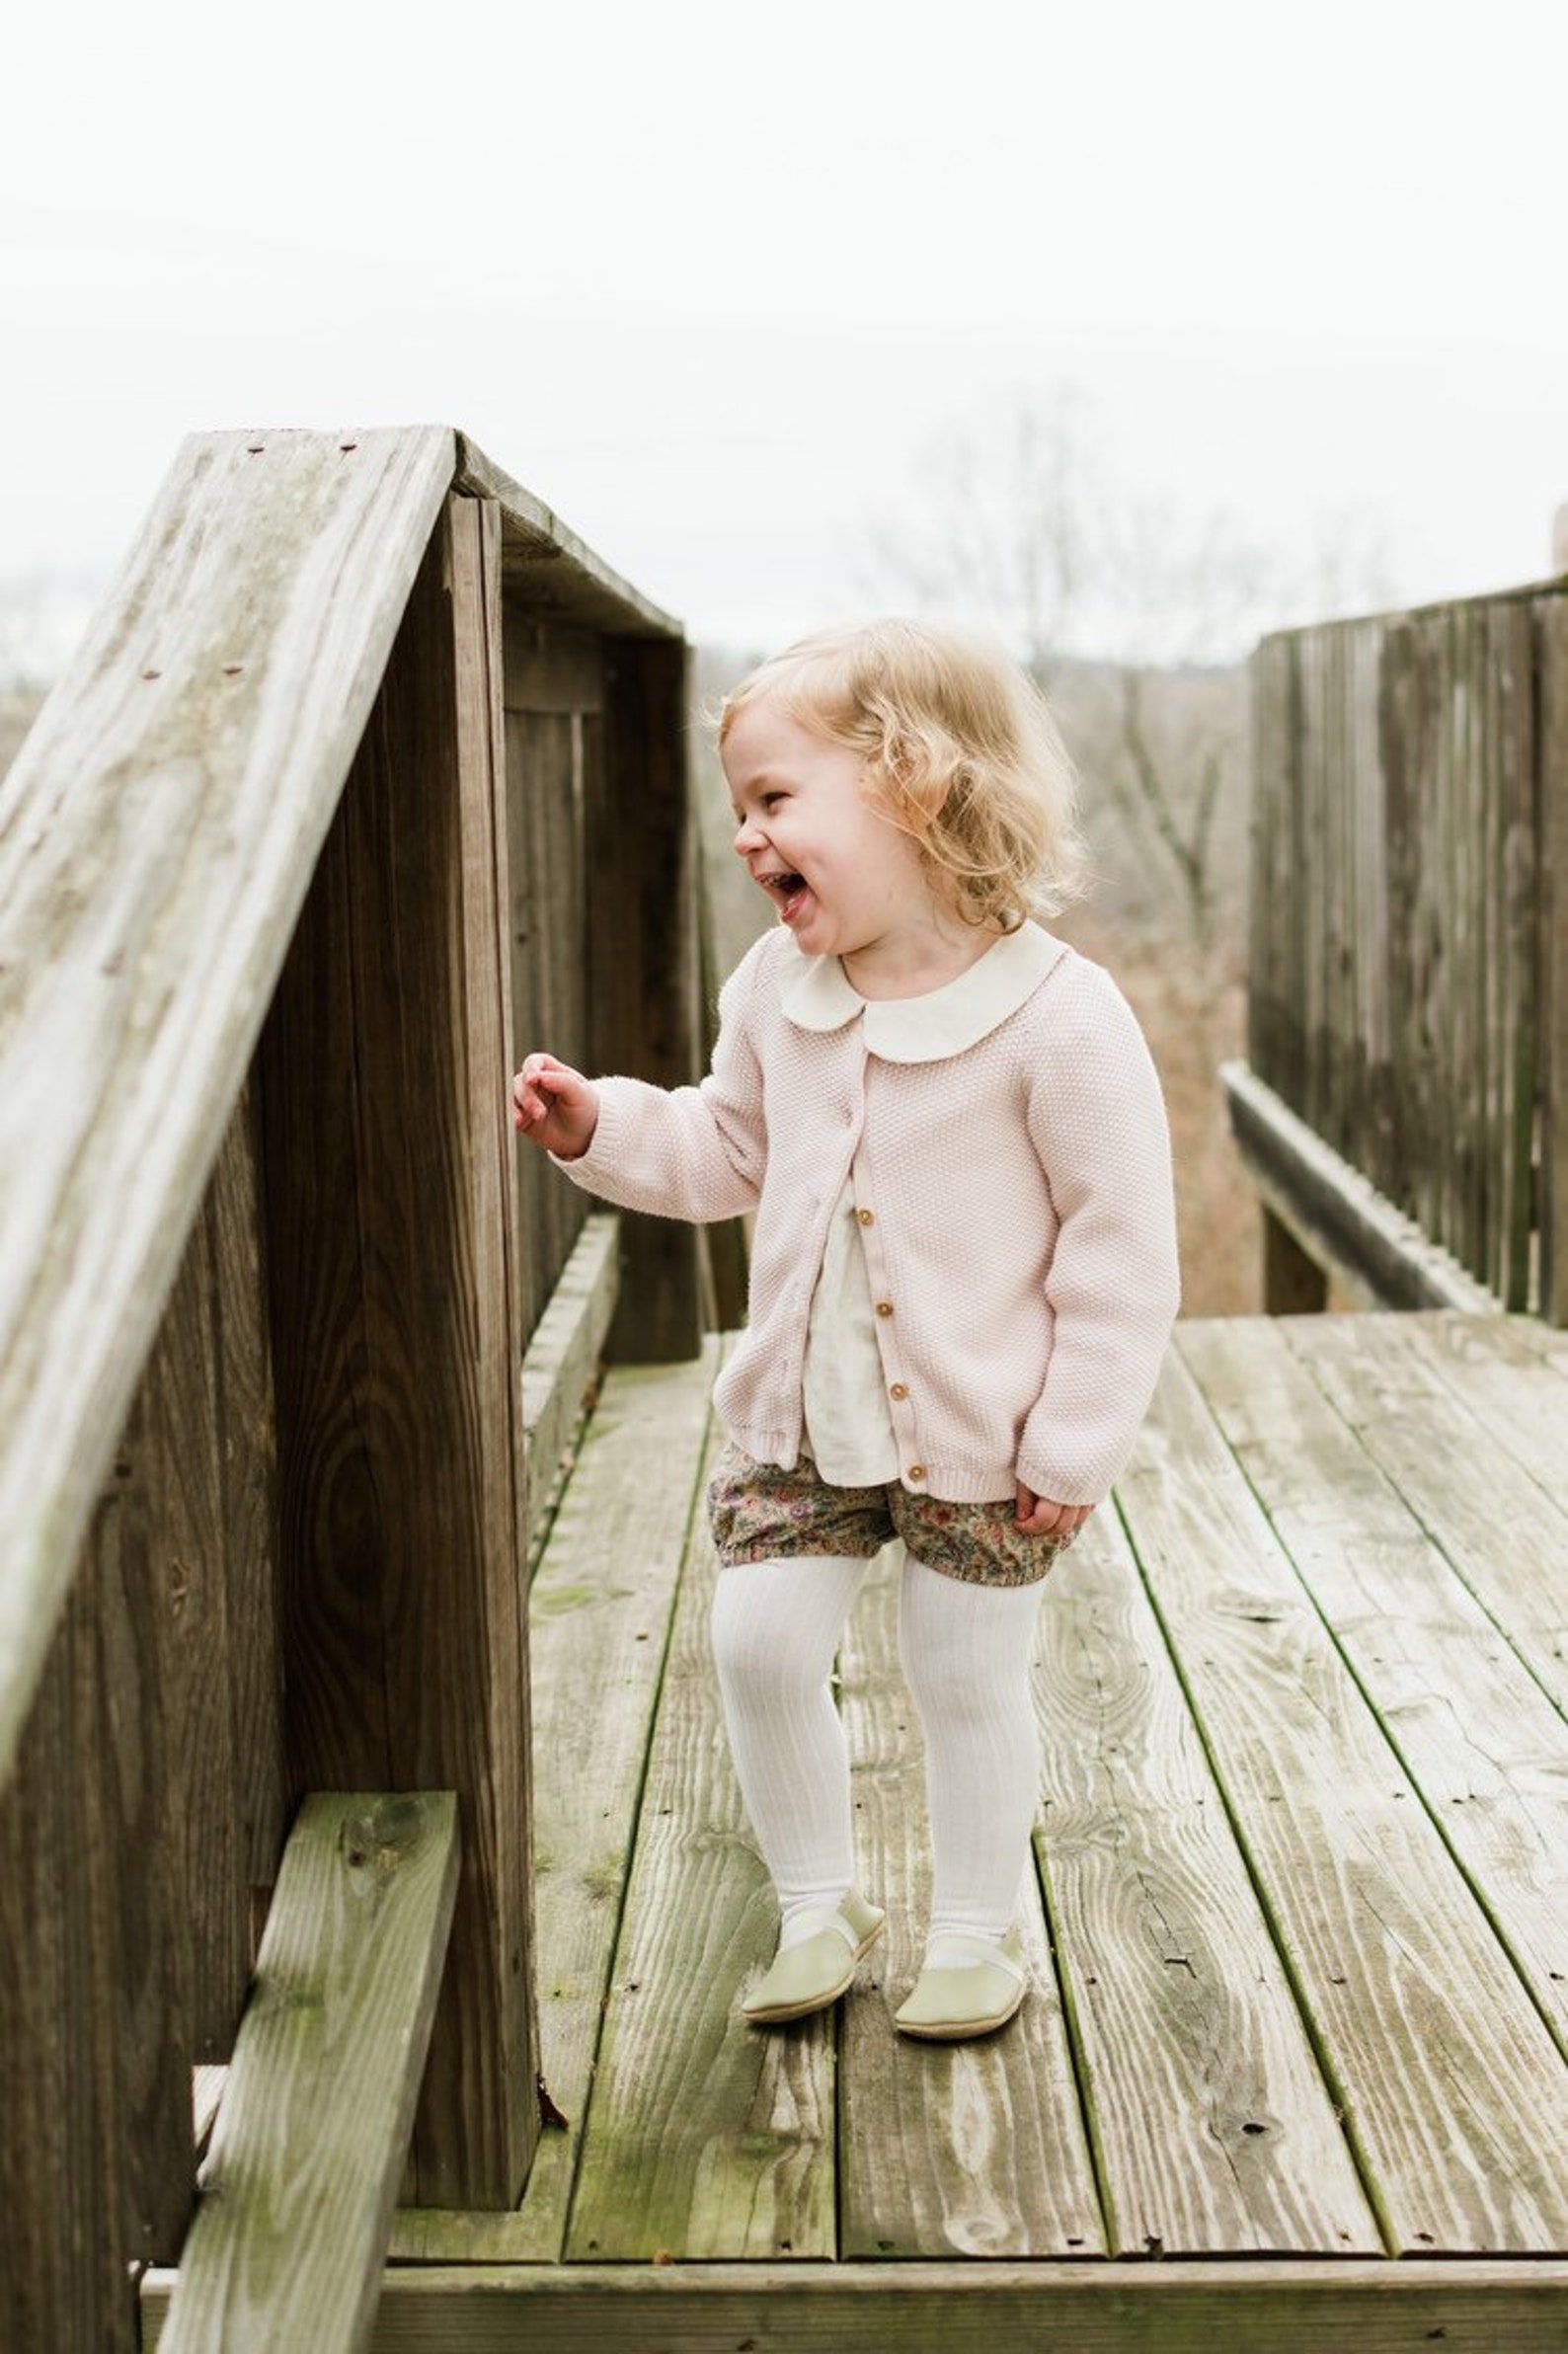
<point>842,876</point>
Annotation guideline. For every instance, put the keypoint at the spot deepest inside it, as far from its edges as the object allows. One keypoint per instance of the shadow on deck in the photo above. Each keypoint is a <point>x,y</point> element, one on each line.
<point>1298,1933</point>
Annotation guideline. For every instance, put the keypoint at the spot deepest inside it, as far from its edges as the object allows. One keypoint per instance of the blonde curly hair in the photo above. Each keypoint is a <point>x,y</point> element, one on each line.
<point>960,750</point>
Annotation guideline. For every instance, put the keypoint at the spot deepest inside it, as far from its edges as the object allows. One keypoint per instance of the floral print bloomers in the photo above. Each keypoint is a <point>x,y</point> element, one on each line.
<point>759,1513</point>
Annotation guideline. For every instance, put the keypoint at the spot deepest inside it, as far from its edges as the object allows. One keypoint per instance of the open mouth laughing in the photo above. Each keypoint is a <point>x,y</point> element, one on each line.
<point>786,889</point>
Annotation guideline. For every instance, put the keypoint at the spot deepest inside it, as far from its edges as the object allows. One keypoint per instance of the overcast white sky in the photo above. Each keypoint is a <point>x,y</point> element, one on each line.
<point>706,277</point>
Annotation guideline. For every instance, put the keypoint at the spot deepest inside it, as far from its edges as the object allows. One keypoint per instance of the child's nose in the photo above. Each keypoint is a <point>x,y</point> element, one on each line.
<point>748,837</point>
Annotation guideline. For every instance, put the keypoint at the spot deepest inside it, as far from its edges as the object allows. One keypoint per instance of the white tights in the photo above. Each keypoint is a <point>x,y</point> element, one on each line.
<point>966,1653</point>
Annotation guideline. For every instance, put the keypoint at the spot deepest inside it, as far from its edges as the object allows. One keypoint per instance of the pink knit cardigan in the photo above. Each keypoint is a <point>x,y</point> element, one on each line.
<point>1010,1159</point>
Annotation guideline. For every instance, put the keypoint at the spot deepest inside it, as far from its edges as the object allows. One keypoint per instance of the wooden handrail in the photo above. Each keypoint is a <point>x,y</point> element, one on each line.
<point>157,836</point>
<point>315,807</point>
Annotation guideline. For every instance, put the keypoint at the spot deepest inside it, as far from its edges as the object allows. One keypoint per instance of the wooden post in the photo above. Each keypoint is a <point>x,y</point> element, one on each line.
<point>644,990</point>
<point>1552,758</point>
<point>392,1255</point>
<point>1294,1283</point>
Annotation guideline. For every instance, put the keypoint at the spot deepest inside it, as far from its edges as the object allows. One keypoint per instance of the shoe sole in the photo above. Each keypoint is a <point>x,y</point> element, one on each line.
<point>780,2014</point>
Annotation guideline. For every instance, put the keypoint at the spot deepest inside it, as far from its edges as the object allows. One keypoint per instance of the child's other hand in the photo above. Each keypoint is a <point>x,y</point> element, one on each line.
<point>555,1107</point>
<point>1037,1516</point>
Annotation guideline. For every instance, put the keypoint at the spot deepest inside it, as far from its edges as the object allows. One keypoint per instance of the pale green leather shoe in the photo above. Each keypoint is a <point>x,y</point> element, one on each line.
<point>814,1972</point>
<point>967,1987</point>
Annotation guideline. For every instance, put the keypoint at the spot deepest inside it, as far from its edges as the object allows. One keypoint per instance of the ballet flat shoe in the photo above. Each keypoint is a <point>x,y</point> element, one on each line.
<point>966,1989</point>
<point>813,1972</point>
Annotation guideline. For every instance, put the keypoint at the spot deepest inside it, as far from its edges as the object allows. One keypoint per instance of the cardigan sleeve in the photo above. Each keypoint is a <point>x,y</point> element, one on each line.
<point>1097,1119</point>
<point>690,1153</point>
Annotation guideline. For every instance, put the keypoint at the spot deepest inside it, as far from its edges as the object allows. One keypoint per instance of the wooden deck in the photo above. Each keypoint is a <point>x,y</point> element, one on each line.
<point>1300,1935</point>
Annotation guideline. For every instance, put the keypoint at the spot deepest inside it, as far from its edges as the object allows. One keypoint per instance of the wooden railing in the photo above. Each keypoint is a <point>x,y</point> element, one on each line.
<point>364,761</point>
<point>1406,1107</point>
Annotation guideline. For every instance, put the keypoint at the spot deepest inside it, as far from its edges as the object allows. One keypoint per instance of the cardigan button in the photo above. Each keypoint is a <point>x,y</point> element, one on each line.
<point>885,1307</point>
<point>916,1470</point>
<point>899,1390</point>
<point>867,1217</point>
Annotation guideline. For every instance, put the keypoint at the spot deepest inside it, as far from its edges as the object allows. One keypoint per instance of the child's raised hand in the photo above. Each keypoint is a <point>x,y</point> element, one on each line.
<point>1038,1516</point>
<point>555,1107</point>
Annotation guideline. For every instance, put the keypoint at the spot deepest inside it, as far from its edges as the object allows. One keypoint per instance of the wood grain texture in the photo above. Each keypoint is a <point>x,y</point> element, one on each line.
<point>644,976</point>
<point>393,1270</point>
<point>157,834</point>
<point>600,1611</point>
<point>1214,2130</point>
<point>1454,2094</point>
<point>1552,655</point>
<point>560,1365</point>
<point>1402,941</point>
<point>1511,1372</point>
<point>706,2137</point>
<point>288,2241</point>
<point>1260,2307</point>
<point>1497,1525</point>
<point>1478,1736</point>
<point>1335,1213</point>
<point>559,579</point>
<point>973,2150</point>
<point>70,2239</point>
<point>145,1826</point>
<point>546,794</point>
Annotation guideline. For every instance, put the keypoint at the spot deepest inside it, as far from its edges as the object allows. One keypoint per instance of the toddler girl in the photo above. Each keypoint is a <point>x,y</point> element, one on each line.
<point>962,1273</point>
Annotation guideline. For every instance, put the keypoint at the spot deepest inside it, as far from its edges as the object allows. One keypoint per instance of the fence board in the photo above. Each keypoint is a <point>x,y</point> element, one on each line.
<point>1552,977</point>
<point>1402,970</point>
<point>644,976</point>
<point>389,1192</point>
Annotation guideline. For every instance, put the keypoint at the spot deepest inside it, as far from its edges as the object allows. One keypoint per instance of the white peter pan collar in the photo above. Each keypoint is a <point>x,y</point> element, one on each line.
<point>944,1021</point>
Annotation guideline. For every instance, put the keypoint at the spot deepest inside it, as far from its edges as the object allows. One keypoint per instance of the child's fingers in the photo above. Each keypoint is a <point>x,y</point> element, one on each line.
<point>1043,1515</point>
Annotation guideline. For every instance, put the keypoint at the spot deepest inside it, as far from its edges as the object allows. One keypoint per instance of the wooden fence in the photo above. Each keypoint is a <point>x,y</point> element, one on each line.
<point>1409,959</point>
<point>365,761</point>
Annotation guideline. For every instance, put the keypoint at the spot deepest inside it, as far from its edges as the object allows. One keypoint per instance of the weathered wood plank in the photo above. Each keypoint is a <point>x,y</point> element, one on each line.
<point>561,1364</point>
<point>1215,2131</point>
<point>1258,2308</point>
<point>1502,1531</point>
<point>393,1273</point>
<point>1474,1730</point>
<point>157,834</point>
<point>705,2137</point>
<point>1455,2097</point>
<point>553,575</point>
<point>644,980</point>
<point>248,1477</point>
<point>602,1606</point>
<point>290,2236</point>
<point>973,2150</point>
<point>1335,1214</point>
<point>545,796</point>
<point>549,667</point>
<point>69,2216</point>
<point>1552,768</point>
<point>1511,1372</point>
